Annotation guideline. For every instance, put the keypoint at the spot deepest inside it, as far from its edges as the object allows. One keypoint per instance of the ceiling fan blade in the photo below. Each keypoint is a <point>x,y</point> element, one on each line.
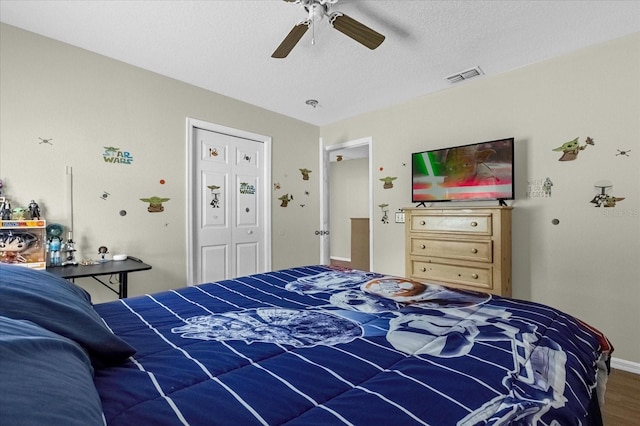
<point>356,30</point>
<point>291,40</point>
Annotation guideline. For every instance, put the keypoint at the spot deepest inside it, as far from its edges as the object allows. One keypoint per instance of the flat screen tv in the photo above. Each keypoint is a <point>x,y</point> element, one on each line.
<point>479,171</point>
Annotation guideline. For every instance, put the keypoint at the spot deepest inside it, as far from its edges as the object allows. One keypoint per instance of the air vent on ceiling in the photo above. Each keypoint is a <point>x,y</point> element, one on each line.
<point>464,75</point>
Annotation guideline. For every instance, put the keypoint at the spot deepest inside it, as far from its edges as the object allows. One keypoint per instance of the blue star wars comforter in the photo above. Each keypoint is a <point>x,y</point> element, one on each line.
<point>319,346</point>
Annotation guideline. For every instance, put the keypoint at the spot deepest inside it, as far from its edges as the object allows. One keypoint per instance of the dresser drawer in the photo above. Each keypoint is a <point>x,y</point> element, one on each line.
<point>479,278</point>
<point>475,224</point>
<point>479,251</point>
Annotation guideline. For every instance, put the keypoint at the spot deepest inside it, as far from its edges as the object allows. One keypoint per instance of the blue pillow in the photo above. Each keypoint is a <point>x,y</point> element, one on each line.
<point>45,379</point>
<point>61,307</point>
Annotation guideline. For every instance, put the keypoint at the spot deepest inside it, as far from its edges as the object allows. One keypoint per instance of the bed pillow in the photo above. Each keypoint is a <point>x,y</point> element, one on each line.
<point>46,379</point>
<point>61,307</point>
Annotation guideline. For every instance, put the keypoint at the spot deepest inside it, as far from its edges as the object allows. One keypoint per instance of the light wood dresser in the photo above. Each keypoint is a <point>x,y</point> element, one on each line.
<point>460,247</point>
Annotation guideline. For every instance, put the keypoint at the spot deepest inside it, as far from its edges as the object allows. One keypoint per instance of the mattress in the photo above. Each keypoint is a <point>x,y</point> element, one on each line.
<point>322,345</point>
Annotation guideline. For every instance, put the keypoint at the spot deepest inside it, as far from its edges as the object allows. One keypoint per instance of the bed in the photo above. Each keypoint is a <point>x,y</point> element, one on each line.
<point>312,345</point>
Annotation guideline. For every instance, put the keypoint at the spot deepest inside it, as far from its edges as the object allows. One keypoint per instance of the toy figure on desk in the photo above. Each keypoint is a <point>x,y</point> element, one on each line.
<point>70,250</point>
<point>34,210</point>
<point>102,250</point>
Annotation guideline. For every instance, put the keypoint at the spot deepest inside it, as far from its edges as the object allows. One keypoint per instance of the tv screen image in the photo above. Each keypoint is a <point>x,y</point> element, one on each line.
<point>479,171</point>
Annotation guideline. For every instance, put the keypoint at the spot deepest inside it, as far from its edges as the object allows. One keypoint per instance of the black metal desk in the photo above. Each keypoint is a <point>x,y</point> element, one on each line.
<point>114,267</point>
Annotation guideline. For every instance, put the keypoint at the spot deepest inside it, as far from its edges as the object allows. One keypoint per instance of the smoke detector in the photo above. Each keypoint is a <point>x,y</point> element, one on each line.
<point>464,75</point>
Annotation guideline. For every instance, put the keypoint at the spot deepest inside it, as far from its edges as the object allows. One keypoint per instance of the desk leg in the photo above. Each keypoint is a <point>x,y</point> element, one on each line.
<point>123,285</point>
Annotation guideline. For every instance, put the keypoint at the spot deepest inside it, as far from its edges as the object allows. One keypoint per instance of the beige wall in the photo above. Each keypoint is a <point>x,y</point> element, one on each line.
<point>85,102</point>
<point>589,264</point>
<point>349,192</point>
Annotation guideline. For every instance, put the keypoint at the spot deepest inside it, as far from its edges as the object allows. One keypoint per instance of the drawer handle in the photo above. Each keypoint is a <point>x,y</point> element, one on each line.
<point>422,222</point>
<point>474,250</point>
<point>474,276</point>
<point>423,269</point>
<point>474,224</point>
<point>422,246</point>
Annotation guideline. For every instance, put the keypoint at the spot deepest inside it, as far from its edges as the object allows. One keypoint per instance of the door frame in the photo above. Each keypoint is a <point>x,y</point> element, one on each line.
<point>191,124</point>
<point>325,246</point>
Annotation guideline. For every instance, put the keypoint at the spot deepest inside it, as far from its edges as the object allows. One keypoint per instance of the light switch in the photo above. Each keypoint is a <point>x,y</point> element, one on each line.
<point>400,217</point>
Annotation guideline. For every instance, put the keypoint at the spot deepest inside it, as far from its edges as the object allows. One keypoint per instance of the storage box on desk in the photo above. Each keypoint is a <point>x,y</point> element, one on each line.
<point>23,242</point>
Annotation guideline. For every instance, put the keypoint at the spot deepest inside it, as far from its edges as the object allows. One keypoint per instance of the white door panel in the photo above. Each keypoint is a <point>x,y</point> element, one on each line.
<point>229,238</point>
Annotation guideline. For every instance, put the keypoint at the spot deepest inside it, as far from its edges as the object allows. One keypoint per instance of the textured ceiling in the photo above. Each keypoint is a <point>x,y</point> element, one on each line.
<point>226,46</point>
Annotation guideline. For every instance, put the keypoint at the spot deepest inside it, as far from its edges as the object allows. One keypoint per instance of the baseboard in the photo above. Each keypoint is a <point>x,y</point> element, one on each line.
<point>621,364</point>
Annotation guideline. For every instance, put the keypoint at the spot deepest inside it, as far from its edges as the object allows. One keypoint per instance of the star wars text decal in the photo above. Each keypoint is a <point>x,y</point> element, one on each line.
<point>115,155</point>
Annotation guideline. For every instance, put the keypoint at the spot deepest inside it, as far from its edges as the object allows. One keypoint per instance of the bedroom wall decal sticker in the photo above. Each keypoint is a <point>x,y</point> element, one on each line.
<point>571,149</point>
<point>155,204</point>
<point>104,195</point>
<point>247,189</point>
<point>215,194</point>
<point>385,213</point>
<point>624,153</point>
<point>388,182</point>
<point>539,188</point>
<point>305,173</point>
<point>285,200</point>
<point>603,197</point>
<point>45,141</point>
<point>115,155</point>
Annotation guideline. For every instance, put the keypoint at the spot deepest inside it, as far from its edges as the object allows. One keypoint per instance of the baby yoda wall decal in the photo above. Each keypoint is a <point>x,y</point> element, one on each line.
<point>155,204</point>
<point>388,182</point>
<point>305,173</point>
<point>571,149</point>
<point>285,200</point>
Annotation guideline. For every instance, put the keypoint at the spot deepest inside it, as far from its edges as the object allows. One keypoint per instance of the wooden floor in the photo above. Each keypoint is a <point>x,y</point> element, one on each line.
<point>622,399</point>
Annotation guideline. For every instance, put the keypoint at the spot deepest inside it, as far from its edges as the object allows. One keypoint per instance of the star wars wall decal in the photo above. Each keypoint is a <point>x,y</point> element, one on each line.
<point>603,197</point>
<point>214,191</point>
<point>247,188</point>
<point>45,141</point>
<point>385,213</point>
<point>624,153</point>
<point>285,200</point>
<point>571,149</point>
<point>155,204</point>
<point>388,182</point>
<point>305,173</point>
<point>539,188</point>
<point>114,155</point>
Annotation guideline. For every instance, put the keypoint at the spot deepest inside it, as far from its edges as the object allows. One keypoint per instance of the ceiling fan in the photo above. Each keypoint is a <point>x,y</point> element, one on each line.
<point>318,9</point>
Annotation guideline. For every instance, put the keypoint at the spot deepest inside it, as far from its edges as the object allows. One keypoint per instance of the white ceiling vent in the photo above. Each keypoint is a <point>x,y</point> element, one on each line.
<point>464,75</point>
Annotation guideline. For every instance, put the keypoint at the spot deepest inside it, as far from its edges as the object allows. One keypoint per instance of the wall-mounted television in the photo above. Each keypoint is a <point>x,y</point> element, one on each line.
<point>478,171</point>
